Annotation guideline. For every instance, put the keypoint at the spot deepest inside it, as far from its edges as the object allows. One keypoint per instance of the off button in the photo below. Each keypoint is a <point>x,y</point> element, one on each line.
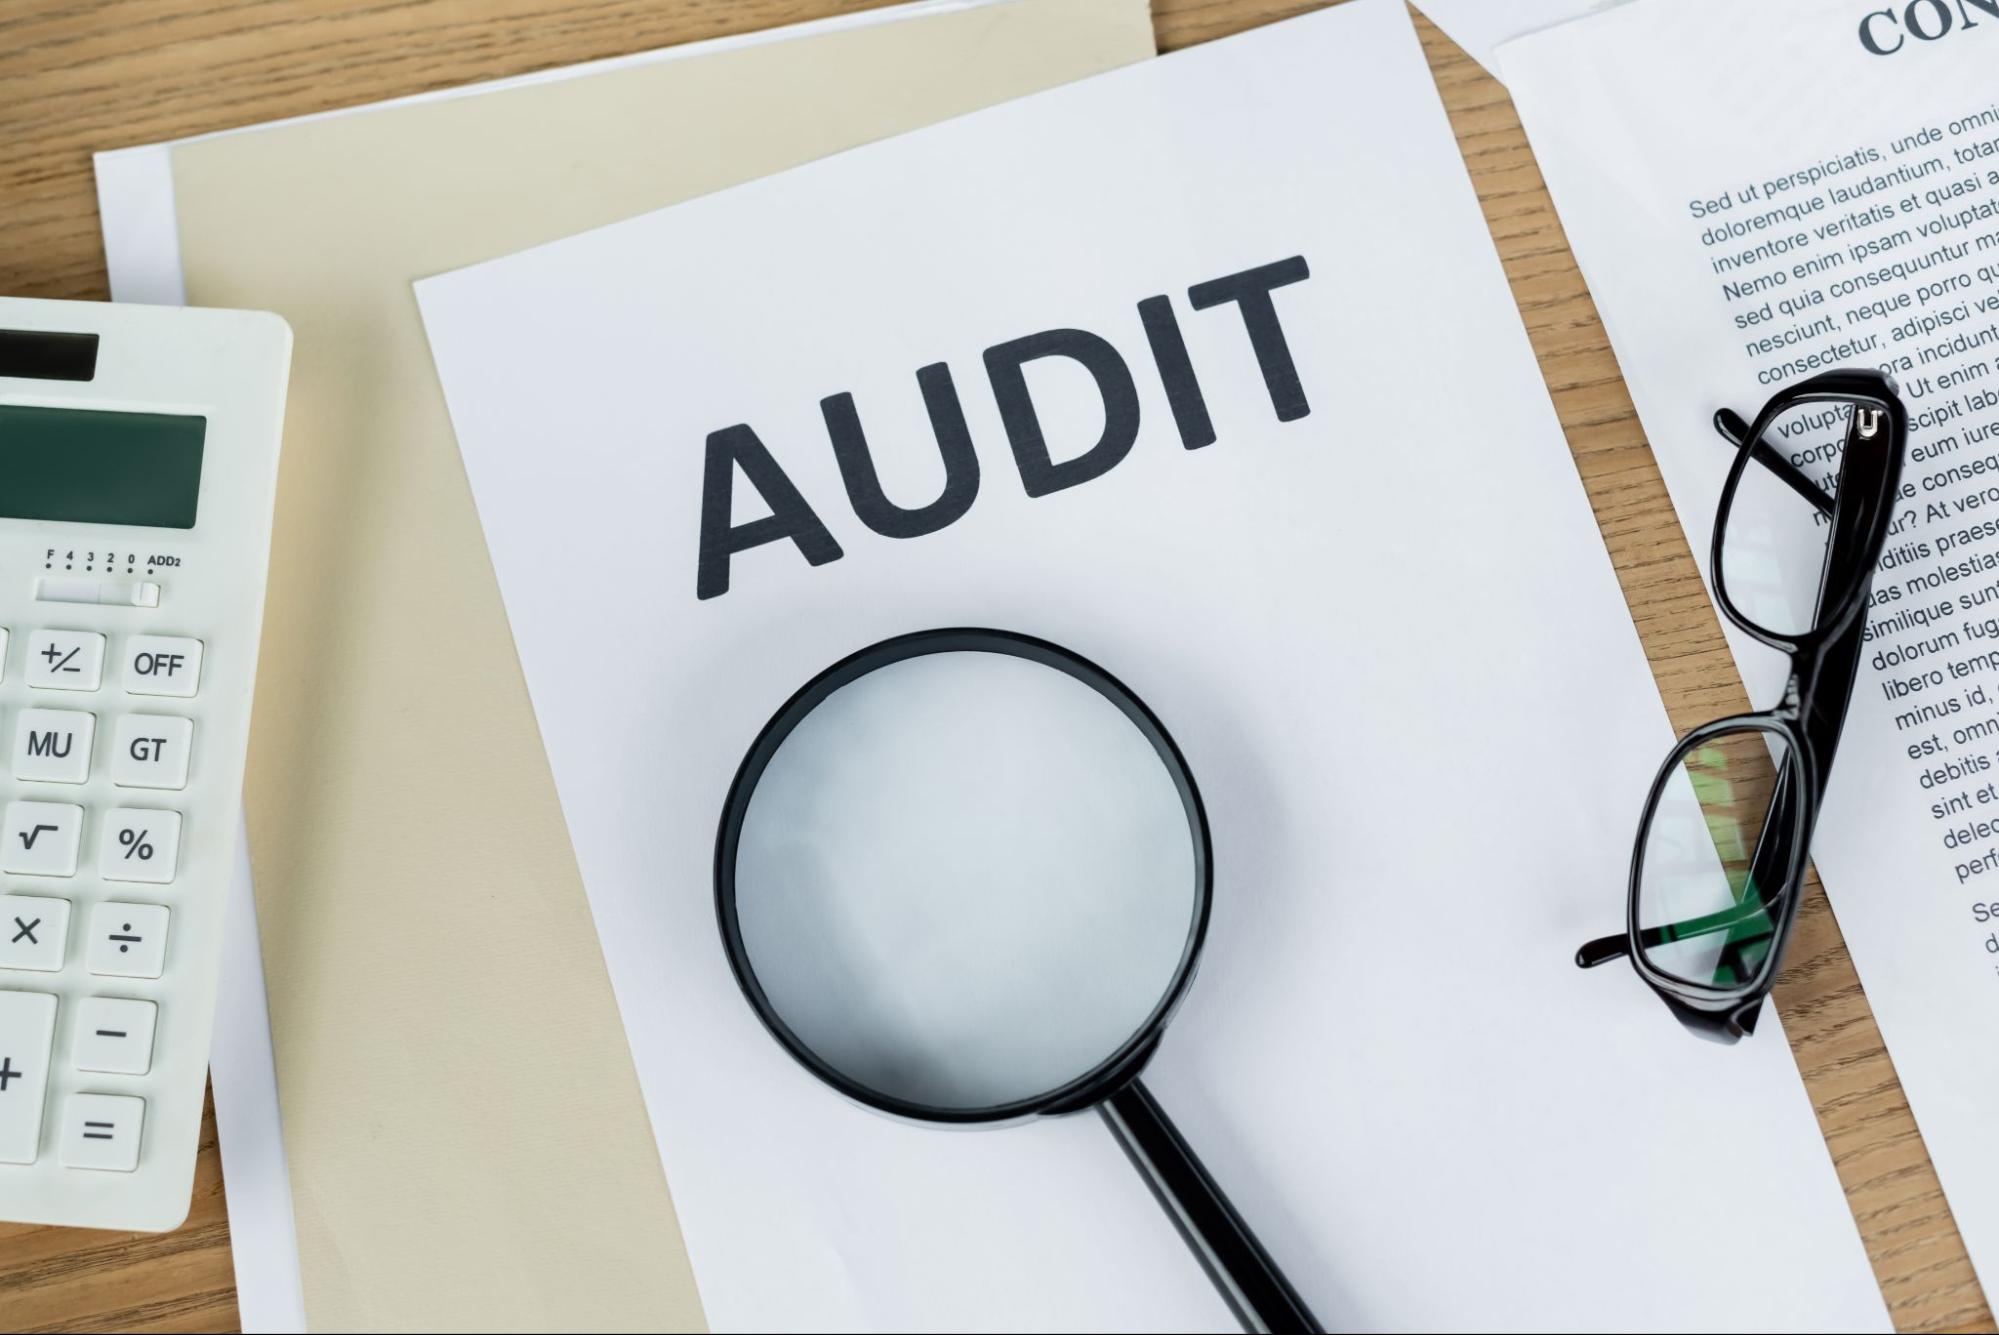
<point>162,665</point>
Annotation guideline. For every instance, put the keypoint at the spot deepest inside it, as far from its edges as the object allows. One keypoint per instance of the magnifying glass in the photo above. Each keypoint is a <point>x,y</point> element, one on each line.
<point>963,877</point>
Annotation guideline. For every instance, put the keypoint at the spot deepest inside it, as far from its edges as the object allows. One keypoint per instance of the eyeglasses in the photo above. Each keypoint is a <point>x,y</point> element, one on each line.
<point>1718,870</point>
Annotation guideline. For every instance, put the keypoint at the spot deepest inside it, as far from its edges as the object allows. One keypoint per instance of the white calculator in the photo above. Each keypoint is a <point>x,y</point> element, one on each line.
<point>138,466</point>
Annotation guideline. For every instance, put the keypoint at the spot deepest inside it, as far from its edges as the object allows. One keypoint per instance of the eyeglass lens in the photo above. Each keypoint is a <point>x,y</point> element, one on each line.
<point>1774,542</point>
<point>1713,864</point>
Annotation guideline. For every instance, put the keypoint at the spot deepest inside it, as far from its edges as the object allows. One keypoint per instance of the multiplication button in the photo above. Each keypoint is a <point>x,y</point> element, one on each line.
<point>40,838</point>
<point>102,1131</point>
<point>33,932</point>
<point>127,940</point>
<point>139,846</point>
<point>65,660</point>
<point>162,665</point>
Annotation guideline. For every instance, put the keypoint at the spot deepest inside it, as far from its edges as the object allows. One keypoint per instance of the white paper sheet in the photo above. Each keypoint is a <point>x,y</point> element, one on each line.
<point>1480,26</point>
<point>242,1074</point>
<point>1385,634</point>
<point>136,207</point>
<point>1645,121</point>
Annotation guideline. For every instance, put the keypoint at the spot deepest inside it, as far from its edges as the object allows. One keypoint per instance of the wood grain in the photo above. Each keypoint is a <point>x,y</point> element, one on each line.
<point>81,75</point>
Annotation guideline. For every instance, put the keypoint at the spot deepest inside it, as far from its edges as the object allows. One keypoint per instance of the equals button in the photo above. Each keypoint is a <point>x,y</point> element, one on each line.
<point>101,1131</point>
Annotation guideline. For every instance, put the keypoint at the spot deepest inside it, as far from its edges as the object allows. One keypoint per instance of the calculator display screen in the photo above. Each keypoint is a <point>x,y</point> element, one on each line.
<point>85,466</point>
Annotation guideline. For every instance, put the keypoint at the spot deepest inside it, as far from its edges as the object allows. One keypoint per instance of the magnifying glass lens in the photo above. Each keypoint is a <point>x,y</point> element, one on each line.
<point>965,880</point>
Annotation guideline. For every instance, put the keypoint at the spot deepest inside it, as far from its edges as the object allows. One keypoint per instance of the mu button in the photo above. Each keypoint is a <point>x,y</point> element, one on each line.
<point>53,745</point>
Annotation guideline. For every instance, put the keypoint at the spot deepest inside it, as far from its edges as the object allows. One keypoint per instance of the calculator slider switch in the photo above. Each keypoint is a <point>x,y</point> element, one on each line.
<point>129,593</point>
<point>106,593</point>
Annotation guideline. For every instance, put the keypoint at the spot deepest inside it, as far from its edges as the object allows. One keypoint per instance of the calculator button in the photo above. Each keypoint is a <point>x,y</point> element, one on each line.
<point>65,660</point>
<point>102,1131</point>
<point>114,1035</point>
<point>162,665</point>
<point>151,751</point>
<point>33,932</point>
<point>53,745</point>
<point>127,940</point>
<point>27,1027</point>
<point>40,838</point>
<point>139,846</point>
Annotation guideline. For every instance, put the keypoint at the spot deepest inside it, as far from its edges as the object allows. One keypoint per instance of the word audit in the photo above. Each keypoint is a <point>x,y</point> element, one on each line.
<point>737,450</point>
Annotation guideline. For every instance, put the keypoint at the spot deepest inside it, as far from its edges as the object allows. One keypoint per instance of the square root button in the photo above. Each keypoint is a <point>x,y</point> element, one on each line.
<point>40,838</point>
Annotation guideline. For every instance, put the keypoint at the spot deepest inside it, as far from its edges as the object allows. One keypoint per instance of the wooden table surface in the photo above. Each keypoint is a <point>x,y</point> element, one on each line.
<point>81,75</point>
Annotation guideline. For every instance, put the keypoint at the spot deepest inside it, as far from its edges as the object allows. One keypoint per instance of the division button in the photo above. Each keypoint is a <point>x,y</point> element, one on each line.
<point>127,940</point>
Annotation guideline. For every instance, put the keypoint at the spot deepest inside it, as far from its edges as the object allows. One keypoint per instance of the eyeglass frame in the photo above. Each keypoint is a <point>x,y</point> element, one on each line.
<point>1811,715</point>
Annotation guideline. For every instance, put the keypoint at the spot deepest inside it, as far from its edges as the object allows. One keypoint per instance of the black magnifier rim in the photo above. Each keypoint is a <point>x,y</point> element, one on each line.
<point>1116,1070</point>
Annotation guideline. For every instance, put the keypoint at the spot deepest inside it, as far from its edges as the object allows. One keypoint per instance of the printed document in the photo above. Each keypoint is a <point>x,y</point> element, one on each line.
<point>1758,192</point>
<point>1288,470</point>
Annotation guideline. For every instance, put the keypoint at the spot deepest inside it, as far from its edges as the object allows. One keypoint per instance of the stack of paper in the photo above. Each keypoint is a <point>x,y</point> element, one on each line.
<point>467,1145</point>
<point>1346,558</point>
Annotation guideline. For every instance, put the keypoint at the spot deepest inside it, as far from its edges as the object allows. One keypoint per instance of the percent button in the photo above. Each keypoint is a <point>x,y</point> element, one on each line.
<point>139,845</point>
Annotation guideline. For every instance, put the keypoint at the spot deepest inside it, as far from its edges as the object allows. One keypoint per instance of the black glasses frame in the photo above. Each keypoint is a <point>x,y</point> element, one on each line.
<point>1824,662</point>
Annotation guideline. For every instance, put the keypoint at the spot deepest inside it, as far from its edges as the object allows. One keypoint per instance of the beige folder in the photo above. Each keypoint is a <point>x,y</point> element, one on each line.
<point>468,1146</point>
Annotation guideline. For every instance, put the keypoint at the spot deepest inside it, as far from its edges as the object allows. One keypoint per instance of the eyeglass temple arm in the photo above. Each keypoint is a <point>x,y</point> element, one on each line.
<point>1735,431</point>
<point>1607,948</point>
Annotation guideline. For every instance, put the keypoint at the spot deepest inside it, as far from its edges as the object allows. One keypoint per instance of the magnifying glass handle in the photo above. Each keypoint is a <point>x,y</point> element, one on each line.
<point>1249,1281</point>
